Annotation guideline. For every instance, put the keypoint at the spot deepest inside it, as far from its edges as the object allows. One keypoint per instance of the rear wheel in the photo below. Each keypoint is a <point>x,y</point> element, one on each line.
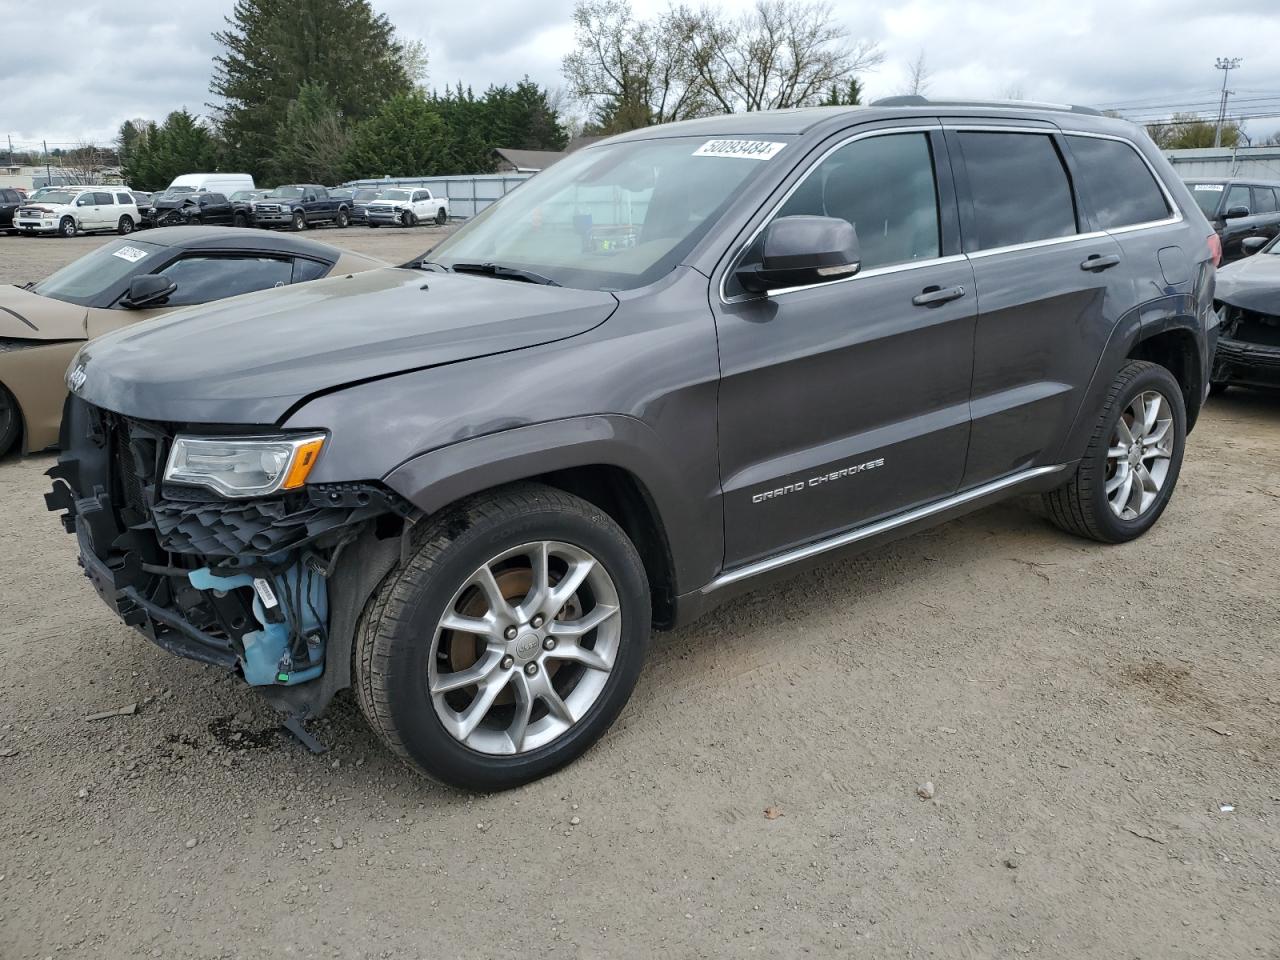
<point>10,420</point>
<point>509,642</point>
<point>1125,478</point>
<point>125,226</point>
<point>67,227</point>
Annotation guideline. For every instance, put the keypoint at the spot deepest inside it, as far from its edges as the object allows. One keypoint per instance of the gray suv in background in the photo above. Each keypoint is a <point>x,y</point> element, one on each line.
<point>675,365</point>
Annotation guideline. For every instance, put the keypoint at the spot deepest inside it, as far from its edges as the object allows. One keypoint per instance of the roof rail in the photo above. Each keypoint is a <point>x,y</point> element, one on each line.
<point>915,100</point>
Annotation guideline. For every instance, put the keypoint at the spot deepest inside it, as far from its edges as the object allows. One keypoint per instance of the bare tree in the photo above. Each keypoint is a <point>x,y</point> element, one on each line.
<point>83,163</point>
<point>782,53</point>
<point>631,72</point>
<point>918,77</point>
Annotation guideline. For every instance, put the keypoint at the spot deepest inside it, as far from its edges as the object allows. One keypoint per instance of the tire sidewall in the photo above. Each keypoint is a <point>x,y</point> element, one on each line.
<point>412,712</point>
<point>67,222</point>
<point>125,226</point>
<point>1153,378</point>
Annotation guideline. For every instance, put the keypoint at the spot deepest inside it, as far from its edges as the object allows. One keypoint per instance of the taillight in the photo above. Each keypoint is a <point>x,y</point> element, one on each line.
<point>1215,249</point>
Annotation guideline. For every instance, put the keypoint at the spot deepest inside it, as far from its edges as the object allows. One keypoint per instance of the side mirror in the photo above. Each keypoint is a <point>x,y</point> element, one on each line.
<point>148,290</point>
<point>1235,213</point>
<point>1253,244</point>
<point>797,251</point>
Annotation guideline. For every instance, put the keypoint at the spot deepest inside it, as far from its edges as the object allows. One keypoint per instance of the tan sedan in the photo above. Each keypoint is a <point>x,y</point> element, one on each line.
<point>44,323</point>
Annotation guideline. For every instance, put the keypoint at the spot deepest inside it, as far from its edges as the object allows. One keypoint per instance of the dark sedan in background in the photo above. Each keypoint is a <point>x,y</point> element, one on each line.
<point>1248,302</point>
<point>359,199</point>
<point>1240,210</point>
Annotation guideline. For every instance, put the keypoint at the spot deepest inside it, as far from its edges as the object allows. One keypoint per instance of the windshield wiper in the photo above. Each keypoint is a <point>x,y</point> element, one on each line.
<point>505,273</point>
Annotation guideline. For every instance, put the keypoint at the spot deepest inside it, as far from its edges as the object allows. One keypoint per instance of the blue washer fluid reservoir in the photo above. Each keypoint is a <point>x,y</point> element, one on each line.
<point>266,657</point>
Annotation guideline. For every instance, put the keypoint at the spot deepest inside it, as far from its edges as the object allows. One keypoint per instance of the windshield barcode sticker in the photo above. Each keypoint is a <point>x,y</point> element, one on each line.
<point>744,149</point>
<point>1215,187</point>
<point>132,254</point>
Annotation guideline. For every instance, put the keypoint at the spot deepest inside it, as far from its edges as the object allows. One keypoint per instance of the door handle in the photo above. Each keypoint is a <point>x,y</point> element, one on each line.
<point>937,296</point>
<point>1096,262</point>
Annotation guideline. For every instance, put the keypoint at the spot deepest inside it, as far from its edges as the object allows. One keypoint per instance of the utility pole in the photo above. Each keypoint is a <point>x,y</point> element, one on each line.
<point>11,149</point>
<point>1226,65</point>
<point>48,178</point>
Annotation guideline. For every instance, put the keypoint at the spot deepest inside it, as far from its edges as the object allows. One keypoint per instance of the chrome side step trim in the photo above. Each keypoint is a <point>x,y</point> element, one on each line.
<point>871,530</point>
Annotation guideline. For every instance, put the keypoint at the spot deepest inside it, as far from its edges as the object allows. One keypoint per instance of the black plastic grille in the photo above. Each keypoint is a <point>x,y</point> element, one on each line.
<point>237,528</point>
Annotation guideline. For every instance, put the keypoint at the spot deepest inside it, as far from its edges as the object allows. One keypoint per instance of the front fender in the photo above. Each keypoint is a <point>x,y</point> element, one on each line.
<point>433,480</point>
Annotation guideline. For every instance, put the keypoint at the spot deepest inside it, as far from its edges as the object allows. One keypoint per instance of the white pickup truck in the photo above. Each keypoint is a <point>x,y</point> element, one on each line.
<point>407,207</point>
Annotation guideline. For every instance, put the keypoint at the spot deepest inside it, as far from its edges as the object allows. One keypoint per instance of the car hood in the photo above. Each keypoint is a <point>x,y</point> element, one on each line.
<point>171,203</point>
<point>27,316</point>
<point>251,359</point>
<point>1252,283</point>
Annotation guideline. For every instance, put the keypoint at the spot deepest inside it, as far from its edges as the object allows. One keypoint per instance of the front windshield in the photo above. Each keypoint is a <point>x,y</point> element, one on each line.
<point>364,196</point>
<point>245,195</point>
<point>55,196</point>
<point>394,195</point>
<point>83,280</point>
<point>286,193</point>
<point>1208,196</point>
<point>613,217</point>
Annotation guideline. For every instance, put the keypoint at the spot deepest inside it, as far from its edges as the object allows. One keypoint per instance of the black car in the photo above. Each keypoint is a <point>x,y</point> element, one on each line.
<point>1239,210</point>
<point>688,360</point>
<point>242,206</point>
<point>10,200</point>
<point>192,208</point>
<point>1248,301</point>
<point>359,199</point>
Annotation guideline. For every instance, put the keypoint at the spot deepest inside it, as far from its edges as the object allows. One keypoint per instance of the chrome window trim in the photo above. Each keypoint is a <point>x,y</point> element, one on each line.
<point>872,529</point>
<point>1174,217</point>
<point>874,271</point>
<point>1035,244</point>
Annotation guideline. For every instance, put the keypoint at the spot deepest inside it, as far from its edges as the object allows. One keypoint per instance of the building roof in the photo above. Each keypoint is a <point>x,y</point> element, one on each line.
<point>529,161</point>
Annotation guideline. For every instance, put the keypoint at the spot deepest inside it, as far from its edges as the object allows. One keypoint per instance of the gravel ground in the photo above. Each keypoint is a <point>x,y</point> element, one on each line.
<point>1098,726</point>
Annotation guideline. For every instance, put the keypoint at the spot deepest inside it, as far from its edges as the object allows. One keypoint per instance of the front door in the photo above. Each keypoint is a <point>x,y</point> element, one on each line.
<point>848,401</point>
<point>1050,291</point>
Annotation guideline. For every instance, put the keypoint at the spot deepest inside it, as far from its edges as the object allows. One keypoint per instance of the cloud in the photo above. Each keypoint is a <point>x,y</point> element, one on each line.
<point>144,58</point>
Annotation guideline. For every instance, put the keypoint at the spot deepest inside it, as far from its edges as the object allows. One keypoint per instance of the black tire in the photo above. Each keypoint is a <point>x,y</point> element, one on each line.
<point>10,420</point>
<point>372,225</point>
<point>441,217</point>
<point>342,219</point>
<point>299,220</point>
<point>125,226</point>
<point>67,227</point>
<point>240,220</point>
<point>1080,506</point>
<point>395,635</point>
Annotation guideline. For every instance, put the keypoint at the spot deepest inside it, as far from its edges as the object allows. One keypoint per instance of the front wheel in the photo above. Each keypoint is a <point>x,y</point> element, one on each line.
<point>240,220</point>
<point>299,220</point>
<point>125,226</point>
<point>509,642</point>
<point>342,219</point>
<point>10,420</point>
<point>67,227</point>
<point>1125,478</point>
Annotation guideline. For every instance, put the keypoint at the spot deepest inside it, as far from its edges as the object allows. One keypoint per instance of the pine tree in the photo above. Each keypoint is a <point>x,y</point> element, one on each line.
<point>157,154</point>
<point>405,138</point>
<point>311,142</point>
<point>272,48</point>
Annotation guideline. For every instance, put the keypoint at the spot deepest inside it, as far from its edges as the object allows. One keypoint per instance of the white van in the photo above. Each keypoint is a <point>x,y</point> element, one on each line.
<point>227,183</point>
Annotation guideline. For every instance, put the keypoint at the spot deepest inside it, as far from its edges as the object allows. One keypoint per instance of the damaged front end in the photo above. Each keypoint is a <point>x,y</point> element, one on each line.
<point>268,586</point>
<point>1248,351</point>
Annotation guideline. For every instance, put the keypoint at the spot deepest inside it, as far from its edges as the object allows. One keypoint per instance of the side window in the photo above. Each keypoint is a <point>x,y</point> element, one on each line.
<point>85,200</point>
<point>1264,200</point>
<point>123,198</point>
<point>201,279</point>
<point>1238,196</point>
<point>884,186</point>
<point>304,270</point>
<point>1119,186</point>
<point>1020,188</point>
<point>103,199</point>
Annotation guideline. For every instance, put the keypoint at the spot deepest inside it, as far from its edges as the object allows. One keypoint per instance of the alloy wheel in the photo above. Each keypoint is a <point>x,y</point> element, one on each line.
<point>524,648</point>
<point>1139,455</point>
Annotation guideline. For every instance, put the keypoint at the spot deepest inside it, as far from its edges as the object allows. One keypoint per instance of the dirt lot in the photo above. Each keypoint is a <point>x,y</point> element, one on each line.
<point>1099,725</point>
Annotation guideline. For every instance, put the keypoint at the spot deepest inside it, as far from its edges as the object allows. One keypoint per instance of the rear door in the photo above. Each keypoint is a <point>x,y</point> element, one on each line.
<point>106,211</point>
<point>848,401</point>
<point>1050,291</point>
<point>1266,210</point>
<point>1235,229</point>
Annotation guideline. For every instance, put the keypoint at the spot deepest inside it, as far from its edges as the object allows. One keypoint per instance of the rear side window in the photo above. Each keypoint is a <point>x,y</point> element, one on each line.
<point>304,270</point>
<point>1264,200</point>
<point>884,186</point>
<point>103,199</point>
<point>1019,187</point>
<point>124,198</point>
<point>1117,183</point>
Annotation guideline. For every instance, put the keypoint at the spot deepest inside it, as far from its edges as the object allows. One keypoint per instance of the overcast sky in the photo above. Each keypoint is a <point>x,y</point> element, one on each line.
<point>136,58</point>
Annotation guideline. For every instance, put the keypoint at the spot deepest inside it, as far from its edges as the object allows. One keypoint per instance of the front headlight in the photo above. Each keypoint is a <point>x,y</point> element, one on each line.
<point>243,466</point>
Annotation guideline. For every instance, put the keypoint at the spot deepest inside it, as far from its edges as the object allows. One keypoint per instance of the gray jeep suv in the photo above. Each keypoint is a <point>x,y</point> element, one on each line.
<point>676,364</point>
